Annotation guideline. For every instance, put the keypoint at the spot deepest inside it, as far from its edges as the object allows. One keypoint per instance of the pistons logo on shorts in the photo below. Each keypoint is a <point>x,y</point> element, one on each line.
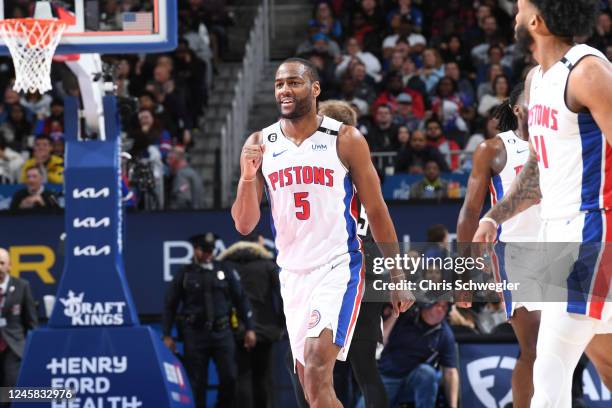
<point>315,318</point>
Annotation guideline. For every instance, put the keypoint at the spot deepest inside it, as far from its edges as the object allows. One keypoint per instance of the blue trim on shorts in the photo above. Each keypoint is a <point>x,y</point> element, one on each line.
<point>348,300</point>
<point>583,272</point>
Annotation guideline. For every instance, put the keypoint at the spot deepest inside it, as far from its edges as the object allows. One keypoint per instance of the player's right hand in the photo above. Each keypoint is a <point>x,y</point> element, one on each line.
<point>486,232</point>
<point>250,160</point>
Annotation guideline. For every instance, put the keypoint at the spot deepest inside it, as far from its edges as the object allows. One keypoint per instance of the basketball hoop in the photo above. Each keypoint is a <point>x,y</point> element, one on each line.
<point>32,43</point>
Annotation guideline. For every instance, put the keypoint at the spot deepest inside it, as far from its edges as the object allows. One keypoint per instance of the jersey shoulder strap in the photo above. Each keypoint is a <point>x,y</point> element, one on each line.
<point>330,126</point>
<point>578,52</point>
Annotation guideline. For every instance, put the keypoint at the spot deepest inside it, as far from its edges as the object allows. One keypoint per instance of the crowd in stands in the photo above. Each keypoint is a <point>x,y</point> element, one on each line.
<point>162,97</point>
<point>424,76</point>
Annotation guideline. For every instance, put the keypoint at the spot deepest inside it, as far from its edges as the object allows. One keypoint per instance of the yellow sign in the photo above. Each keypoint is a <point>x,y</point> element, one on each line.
<point>42,267</point>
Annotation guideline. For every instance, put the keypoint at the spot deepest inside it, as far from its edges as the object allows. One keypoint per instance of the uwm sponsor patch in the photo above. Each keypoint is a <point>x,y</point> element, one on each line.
<point>84,313</point>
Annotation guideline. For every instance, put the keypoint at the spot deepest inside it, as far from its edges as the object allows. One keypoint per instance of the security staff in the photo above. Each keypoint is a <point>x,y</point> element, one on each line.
<point>207,289</point>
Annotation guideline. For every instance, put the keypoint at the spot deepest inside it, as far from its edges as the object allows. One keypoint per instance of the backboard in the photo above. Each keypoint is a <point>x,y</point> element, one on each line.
<point>106,26</point>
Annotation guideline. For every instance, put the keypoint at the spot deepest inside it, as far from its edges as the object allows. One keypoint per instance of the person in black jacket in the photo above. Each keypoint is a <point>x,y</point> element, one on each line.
<point>412,158</point>
<point>34,196</point>
<point>17,318</point>
<point>259,278</point>
<point>207,289</point>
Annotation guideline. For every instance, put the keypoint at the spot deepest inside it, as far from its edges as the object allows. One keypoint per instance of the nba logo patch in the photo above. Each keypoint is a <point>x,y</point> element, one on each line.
<point>315,318</point>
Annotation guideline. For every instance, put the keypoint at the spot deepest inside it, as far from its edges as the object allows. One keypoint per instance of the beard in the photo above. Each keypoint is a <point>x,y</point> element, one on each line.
<point>524,40</point>
<point>301,107</point>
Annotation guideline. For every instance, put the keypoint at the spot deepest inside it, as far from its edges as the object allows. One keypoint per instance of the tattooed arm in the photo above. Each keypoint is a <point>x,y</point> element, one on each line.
<point>524,192</point>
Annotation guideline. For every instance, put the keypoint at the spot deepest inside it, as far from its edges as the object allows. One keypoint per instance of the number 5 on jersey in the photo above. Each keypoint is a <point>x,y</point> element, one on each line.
<point>302,203</point>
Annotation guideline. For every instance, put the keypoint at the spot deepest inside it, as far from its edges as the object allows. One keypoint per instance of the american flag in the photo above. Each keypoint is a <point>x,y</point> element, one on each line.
<point>137,21</point>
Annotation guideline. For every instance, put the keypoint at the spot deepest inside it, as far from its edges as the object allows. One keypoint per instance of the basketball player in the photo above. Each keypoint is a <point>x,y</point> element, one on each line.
<point>311,166</point>
<point>361,358</point>
<point>496,162</point>
<point>570,126</point>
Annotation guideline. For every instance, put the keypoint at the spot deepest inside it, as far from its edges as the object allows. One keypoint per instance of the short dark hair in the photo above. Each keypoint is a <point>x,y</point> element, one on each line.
<point>436,233</point>
<point>310,67</point>
<point>432,120</point>
<point>568,18</point>
<point>44,136</point>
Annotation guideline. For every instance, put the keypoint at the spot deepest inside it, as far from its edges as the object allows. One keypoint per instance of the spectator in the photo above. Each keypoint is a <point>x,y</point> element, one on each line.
<point>319,43</point>
<point>373,14</point>
<point>490,132</point>
<point>51,166</point>
<point>412,159</point>
<point>433,69</point>
<point>17,129</point>
<point>365,33</point>
<point>404,115</point>
<point>432,186</point>
<point>407,11</point>
<point>259,278</point>
<point>347,93</point>
<point>491,36</point>
<point>417,343</point>
<point>34,196</point>
<point>189,70</point>
<point>323,17</point>
<point>10,163</point>
<point>187,192</point>
<point>19,317</point>
<point>412,80</point>
<point>495,54</point>
<point>486,88</point>
<point>465,89</point>
<point>364,84</point>
<point>454,16</point>
<point>354,52</point>
<point>448,148</point>
<point>147,101</point>
<point>393,87</point>
<point>149,132</point>
<point>404,30</point>
<point>172,98</point>
<point>58,143</point>
<point>54,122</point>
<point>39,105</point>
<point>382,136</point>
<point>501,88</point>
<point>602,37</point>
<point>453,52</point>
<point>447,104</point>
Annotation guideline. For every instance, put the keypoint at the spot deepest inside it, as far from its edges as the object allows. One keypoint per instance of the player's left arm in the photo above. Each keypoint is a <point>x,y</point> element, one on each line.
<point>590,87</point>
<point>355,154</point>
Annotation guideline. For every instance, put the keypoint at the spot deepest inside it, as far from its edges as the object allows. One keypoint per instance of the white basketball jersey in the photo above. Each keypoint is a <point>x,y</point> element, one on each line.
<point>525,226</point>
<point>574,159</point>
<point>312,197</point>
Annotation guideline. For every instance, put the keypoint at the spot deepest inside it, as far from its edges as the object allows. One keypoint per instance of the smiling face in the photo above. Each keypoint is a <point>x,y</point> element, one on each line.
<point>295,90</point>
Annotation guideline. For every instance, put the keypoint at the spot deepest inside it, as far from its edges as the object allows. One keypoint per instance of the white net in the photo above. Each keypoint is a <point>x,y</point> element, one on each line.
<point>32,43</point>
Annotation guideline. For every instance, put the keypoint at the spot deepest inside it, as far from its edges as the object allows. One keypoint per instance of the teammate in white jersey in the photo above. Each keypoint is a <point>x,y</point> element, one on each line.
<point>570,170</point>
<point>496,163</point>
<point>311,167</point>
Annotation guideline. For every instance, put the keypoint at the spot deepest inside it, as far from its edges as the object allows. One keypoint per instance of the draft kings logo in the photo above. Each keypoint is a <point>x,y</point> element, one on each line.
<point>84,313</point>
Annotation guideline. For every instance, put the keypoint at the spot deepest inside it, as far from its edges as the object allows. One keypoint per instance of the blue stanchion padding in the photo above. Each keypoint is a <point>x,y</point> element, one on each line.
<point>93,290</point>
<point>126,367</point>
<point>94,343</point>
